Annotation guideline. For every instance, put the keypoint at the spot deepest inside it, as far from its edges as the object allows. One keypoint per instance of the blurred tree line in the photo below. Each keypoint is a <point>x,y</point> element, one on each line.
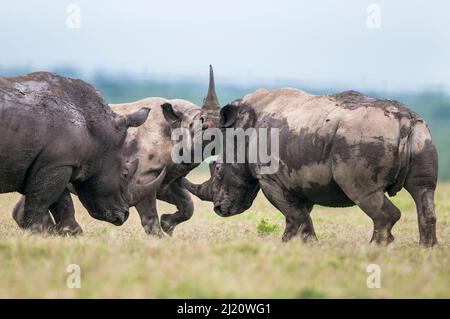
<point>433,106</point>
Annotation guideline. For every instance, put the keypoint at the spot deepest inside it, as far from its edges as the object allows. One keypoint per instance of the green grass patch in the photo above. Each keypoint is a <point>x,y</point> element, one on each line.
<point>265,227</point>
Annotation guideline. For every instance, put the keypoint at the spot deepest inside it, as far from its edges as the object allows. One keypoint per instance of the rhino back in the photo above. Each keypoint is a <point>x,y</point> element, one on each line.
<point>319,132</point>
<point>45,117</point>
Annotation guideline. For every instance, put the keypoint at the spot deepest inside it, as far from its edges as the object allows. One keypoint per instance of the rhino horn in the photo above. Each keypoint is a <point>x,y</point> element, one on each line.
<point>210,102</point>
<point>140,191</point>
<point>202,191</point>
<point>72,189</point>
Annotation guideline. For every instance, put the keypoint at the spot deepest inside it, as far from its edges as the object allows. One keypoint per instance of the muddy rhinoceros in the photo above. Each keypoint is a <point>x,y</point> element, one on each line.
<point>337,150</point>
<point>54,131</point>
<point>151,144</point>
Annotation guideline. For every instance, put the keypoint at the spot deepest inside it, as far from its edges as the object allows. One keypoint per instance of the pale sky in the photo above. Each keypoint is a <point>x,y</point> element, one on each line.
<point>319,43</point>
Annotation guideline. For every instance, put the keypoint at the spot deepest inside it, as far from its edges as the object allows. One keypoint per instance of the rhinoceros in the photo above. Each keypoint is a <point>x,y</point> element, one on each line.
<point>151,145</point>
<point>54,131</point>
<point>335,150</point>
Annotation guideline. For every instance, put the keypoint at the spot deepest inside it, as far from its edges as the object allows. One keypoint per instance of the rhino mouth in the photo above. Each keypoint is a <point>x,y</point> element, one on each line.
<point>116,218</point>
<point>219,210</point>
<point>224,211</point>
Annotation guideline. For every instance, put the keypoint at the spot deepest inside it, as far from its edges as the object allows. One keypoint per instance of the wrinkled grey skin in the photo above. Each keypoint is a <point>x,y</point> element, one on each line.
<point>151,145</point>
<point>338,150</point>
<point>55,131</point>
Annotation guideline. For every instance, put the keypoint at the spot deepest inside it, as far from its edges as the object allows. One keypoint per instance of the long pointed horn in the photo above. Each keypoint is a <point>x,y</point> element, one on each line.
<point>211,102</point>
<point>71,189</point>
<point>140,191</point>
<point>202,191</point>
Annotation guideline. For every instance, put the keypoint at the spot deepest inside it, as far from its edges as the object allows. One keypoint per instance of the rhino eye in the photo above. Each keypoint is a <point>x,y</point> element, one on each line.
<point>218,172</point>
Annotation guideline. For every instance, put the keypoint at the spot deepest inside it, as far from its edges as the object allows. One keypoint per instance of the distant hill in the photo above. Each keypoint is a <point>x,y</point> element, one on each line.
<point>433,106</point>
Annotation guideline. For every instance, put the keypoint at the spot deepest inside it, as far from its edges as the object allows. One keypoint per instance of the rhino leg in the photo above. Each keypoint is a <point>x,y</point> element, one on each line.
<point>424,200</point>
<point>64,214</point>
<point>384,215</point>
<point>18,215</point>
<point>149,217</point>
<point>296,211</point>
<point>365,185</point>
<point>179,196</point>
<point>62,211</point>
<point>421,184</point>
<point>42,190</point>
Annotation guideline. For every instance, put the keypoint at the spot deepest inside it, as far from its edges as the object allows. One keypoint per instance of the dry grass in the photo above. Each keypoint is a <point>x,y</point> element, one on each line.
<point>241,256</point>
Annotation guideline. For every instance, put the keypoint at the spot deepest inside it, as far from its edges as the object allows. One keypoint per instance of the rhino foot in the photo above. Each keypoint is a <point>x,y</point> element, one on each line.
<point>154,231</point>
<point>381,238</point>
<point>36,228</point>
<point>70,228</point>
<point>429,242</point>
<point>167,224</point>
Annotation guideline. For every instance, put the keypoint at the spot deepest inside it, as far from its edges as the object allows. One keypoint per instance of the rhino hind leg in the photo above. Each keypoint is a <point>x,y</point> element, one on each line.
<point>424,200</point>
<point>179,196</point>
<point>384,215</point>
<point>296,212</point>
<point>421,184</point>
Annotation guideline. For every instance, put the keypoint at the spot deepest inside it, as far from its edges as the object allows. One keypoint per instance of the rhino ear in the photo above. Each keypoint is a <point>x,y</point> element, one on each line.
<point>133,119</point>
<point>132,168</point>
<point>228,115</point>
<point>212,167</point>
<point>172,116</point>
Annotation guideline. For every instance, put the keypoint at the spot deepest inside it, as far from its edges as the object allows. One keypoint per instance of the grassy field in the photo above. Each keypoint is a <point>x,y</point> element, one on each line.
<point>214,257</point>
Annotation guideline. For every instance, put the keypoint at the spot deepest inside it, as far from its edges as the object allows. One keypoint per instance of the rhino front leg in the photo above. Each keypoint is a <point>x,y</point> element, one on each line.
<point>296,212</point>
<point>149,217</point>
<point>62,211</point>
<point>64,214</point>
<point>179,196</point>
<point>19,217</point>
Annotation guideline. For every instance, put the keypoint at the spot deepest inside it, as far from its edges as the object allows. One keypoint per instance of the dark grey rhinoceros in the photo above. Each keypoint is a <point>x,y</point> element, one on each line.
<point>55,130</point>
<point>338,150</point>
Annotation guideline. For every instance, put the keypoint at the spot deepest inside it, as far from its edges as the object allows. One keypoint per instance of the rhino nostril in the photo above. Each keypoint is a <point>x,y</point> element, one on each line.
<point>218,209</point>
<point>121,218</point>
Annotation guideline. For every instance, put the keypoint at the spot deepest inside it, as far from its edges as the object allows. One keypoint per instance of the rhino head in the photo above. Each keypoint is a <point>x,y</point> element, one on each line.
<point>111,189</point>
<point>231,187</point>
<point>197,120</point>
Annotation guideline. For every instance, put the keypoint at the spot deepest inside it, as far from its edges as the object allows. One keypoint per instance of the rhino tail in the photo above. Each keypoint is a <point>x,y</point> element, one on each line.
<point>404,154</point>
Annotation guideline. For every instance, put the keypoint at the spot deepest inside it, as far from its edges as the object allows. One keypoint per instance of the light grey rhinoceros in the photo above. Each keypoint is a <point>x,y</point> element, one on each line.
<point>337,150</point>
